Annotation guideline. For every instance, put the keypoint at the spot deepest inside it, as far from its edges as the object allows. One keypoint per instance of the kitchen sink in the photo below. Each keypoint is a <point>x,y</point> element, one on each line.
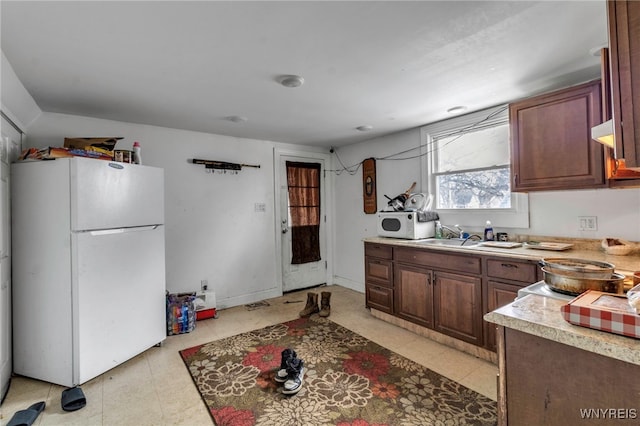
<point>453,242</point>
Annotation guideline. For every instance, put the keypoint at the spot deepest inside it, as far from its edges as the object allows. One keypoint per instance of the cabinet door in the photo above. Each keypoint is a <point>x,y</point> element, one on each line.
<point>624,42</point>
<point>551,145</point>
<point>498,295</point>
<point>458,306</point>
<point>379,297</point>
<point>414,294</point>
<point>378,271</point>
<point>550,383</point>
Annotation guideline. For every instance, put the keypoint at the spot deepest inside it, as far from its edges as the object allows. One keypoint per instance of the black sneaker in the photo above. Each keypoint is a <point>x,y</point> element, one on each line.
<point>281,374</point>
<point>295,370</point>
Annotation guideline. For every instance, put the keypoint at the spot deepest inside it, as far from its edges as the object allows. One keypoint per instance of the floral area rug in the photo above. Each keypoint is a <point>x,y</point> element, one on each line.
<point>349,381</point>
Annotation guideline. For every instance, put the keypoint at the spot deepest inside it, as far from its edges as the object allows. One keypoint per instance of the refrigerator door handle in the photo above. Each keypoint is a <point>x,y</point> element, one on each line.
<point>123,230</point>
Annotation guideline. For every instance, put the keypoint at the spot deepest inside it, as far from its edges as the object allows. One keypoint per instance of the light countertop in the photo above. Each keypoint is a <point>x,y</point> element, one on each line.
<point>540,316</point>
<point>582,249</point>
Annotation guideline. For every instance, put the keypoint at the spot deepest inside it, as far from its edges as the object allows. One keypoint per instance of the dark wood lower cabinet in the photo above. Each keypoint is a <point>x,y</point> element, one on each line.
<point>504,277</point>
<point>414,294</point>
<point>378,272</point>
<point>445,291</point>
<point>458,306</point>
<point>498,295</point>
<point>380,297</point>
<point>544,382</point>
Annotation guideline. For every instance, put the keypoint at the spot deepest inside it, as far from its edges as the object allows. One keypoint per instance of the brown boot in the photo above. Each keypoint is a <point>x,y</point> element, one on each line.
<point>312,305</point>
<point>325,308</point>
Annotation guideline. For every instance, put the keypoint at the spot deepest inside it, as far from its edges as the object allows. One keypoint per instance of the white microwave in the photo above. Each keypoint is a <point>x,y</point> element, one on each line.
<point>404,225</point>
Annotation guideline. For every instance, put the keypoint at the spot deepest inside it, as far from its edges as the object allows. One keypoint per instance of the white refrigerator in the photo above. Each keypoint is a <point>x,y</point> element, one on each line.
<point>88,266</point>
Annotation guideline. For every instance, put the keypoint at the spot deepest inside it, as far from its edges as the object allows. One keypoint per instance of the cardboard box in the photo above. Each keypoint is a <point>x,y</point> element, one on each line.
<point>82,143</point>
<point>603,311</point>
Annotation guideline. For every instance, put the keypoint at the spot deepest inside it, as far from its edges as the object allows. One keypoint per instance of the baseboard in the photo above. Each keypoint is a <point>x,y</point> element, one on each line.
<point>474,350</point>
<point>229,302</point>
<point>350,284</point>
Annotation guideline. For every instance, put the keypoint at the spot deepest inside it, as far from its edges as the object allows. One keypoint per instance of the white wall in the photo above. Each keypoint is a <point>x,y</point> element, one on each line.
<point>212,229</point>
<point>553,213</point>
<point>17,103</point>
<point>351,223</point>
<point>213,232</point>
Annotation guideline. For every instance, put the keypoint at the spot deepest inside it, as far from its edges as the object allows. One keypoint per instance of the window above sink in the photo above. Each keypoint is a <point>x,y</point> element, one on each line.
<point>467,167</point>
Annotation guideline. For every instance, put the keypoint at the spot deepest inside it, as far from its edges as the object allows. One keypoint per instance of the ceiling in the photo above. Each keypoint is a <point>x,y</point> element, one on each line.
<point>391,65</point>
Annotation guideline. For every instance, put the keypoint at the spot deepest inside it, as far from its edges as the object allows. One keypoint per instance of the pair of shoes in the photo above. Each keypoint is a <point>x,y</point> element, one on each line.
<point>312,304</point>
<point>295,374</point>
<point>281,374</point>
<point>72,399</point>
<point>28,416</point>
<point>291,372</point>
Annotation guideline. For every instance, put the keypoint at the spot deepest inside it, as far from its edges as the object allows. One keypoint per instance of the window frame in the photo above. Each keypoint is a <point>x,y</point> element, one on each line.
<point>515,217</point>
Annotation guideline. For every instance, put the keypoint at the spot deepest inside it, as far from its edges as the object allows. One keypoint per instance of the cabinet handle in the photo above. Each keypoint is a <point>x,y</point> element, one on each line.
<point>509,265</point>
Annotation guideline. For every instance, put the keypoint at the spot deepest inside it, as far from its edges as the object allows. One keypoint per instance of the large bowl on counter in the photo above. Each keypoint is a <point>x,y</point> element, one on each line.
<point>575,286</point>
<point>578,268</point>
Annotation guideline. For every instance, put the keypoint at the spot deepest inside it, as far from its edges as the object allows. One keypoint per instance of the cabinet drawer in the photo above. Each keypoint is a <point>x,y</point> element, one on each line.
<point>380,298</point>
<point>439,260</point>
<point>380,270</point>
<point>509,269</point>
<point>378,250</point>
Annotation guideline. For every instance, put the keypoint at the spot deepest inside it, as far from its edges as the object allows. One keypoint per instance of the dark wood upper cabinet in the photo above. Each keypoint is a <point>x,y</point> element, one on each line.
<point>617,173</point>
<point>551,145</point>
<point>624,45</point>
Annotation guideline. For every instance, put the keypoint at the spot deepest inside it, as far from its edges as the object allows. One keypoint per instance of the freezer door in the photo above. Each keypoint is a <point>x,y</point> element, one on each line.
<point>119,297</point>
<point>106,194</point>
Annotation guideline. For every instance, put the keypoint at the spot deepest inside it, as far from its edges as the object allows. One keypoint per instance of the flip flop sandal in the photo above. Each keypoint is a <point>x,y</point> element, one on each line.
<point>73,399</point>
<point>28,416</point>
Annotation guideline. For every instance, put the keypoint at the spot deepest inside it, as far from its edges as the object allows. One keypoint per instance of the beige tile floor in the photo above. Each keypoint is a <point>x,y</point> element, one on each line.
<point>155,388</point>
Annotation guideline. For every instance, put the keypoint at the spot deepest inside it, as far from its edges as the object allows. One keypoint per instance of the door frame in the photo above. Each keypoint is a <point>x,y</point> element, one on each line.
<point>328,182</point>
<point>10,154</point>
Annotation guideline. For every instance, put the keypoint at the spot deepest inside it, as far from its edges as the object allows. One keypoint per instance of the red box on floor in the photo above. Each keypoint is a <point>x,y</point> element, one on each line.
<point>206,313</point>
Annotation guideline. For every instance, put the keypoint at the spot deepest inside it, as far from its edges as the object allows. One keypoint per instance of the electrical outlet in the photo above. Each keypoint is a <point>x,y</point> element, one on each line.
<point>204,285</point>
<point>587,223</point>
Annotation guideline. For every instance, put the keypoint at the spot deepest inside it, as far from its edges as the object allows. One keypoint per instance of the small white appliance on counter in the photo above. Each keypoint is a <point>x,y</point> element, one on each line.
<point>88,266</point>
<point>405,224</point>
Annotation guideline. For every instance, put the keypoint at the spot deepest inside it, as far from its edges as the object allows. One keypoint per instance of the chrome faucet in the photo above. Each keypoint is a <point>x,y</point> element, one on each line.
<point>459,231</point>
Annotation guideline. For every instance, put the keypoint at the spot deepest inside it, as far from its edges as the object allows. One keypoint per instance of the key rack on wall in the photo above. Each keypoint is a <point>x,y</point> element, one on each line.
<point>222,166</point>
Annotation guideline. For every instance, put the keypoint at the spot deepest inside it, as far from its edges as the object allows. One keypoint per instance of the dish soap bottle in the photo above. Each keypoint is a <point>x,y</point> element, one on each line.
<point>438,230</point>
<point>488,231</point>
<point>137,158</point>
